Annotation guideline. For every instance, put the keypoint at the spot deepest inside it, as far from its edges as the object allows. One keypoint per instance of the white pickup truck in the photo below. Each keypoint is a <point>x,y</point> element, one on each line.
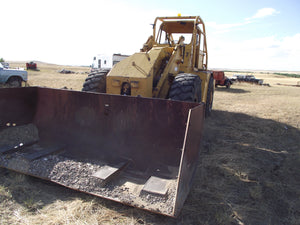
<point>12,77</point>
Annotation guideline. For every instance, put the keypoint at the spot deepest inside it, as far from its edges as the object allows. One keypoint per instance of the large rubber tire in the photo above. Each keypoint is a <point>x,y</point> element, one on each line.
<point>14,82</point>
<point>227,83</point>
<point>186,87</point>
<point>210,97</point>
<point>96,82</point>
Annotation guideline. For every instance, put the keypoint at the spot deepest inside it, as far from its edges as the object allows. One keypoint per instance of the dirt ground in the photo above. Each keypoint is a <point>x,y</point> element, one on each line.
<point>248,172</point>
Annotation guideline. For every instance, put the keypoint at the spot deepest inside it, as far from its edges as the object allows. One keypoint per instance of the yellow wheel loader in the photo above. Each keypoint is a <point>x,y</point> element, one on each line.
<point>137,142</point>
<point>172,65</point>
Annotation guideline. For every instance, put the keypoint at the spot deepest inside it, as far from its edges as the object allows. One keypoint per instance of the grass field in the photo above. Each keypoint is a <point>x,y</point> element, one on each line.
<point>248,172</point>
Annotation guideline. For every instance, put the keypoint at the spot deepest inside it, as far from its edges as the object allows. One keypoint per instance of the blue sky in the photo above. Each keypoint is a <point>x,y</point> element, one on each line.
<point>240,34</point>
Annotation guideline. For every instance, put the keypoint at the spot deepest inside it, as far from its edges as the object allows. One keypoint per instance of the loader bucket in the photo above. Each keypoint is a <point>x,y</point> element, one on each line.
<point>138,151</point>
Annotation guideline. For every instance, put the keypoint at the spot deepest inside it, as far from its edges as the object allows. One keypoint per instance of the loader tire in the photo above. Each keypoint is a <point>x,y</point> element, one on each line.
<point>210,97</point>
<point>96,82</point>
<point>186,87</point>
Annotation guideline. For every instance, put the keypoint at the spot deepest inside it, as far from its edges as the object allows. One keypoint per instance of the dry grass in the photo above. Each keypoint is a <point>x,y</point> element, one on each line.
<point>279,103</point>
<point>49,76</point>
<point>248,171</point>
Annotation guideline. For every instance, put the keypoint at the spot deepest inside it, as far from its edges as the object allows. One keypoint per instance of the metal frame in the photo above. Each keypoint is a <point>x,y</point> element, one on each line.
<point>197,30</point>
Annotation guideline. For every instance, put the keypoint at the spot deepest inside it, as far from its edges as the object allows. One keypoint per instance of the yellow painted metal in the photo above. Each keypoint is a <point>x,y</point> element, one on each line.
<point>204,75</point>
<point>172,69</point>
<point>139,70</point>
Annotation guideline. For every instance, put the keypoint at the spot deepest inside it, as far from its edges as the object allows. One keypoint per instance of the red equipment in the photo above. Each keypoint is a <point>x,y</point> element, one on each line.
<point>31,66</point>
<point>221,79</point>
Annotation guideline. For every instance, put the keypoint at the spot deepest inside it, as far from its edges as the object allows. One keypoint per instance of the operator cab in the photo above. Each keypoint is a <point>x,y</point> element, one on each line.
<point>171,33</point>
<point>174,32</point>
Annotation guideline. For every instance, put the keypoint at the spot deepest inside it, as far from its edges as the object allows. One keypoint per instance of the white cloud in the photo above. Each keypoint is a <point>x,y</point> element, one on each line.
<point>223,28</point>
<point>264,12</point>
<point>269,53</point>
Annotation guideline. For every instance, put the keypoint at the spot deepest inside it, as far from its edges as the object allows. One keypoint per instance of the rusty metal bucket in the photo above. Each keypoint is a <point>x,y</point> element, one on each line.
<point>137,151</point>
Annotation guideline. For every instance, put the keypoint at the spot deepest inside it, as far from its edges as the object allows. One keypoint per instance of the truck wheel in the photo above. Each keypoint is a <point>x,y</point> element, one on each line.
<point>227,82</point>
<point>210,97</point>
<point>14,82</point>
<point>96,82</point>
<point>186,87</point>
